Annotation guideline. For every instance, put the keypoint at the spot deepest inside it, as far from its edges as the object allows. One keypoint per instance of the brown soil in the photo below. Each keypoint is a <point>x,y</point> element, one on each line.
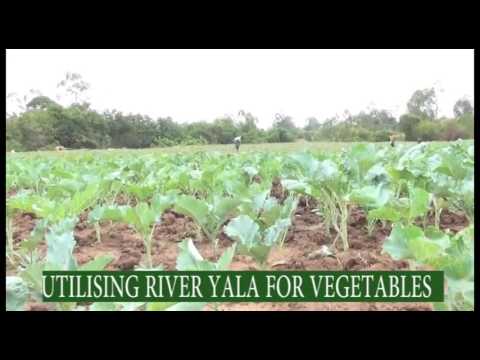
<point>448,220</point>
<point>305,237</point>
<point>124,199</point>
<point>23,224</point>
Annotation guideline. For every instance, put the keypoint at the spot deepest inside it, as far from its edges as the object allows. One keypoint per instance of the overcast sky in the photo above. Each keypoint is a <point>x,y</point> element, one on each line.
<point>191,85</point>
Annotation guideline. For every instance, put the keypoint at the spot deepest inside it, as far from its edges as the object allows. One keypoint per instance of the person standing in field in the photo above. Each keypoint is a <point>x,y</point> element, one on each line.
<point>392,140</point>
<point>237,141</point>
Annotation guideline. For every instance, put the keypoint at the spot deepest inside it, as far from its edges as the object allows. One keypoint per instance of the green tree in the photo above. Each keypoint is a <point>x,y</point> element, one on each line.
<point>462,107</point>
<point>427,130</point>
<point>407,125</point>
<point>224,130</point>
<point>312,124</point>
<point>74,86</point>
<point>423,104</point>
<point>41,103</point>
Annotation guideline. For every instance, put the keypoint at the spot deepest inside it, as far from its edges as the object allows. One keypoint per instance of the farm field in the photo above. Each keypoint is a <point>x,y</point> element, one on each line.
<point>296,206</point>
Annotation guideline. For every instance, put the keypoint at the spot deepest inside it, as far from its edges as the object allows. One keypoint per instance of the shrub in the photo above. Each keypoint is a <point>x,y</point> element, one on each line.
<point>452,130</point>
<point>163,142</point>
<point>194,141</point>
<point>427,130</point>
<point>381,135</point>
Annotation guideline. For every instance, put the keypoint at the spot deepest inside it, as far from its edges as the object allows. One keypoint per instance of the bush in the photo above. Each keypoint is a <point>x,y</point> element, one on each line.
<point>427,130</point>
<point>452,130</point>
<point>194,141</point>
<point>163,142</point>
<point>12,144</point>
<point>467,123</point>
<point>407,125</point>
<point>280,135</point>
<point>381,135</point>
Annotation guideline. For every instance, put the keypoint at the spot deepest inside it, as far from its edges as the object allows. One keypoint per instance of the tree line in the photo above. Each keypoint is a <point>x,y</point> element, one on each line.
<point>43,124</point>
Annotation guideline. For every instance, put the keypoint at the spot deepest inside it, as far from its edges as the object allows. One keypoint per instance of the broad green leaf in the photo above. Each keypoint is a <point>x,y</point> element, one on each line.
<point>424,250</point>
<point>258,251</point>
<point>419,202</point>
<point>190,259</point>
<point>160,203</point>
<point>297,186</point>
<point>385,213</point>
<point>33,276</point>
<point>225,260</point>
<point>251,171</point>
<point>457,267</point>
<point>96,214</point>
<point>397,244</point>
<point>327,170</point>
<point>244,230</point>
<point>16,294</point>
<point>192,207</point>
<point>438,237</point>
<point>273,233</point>
<point>222,207</point>
<point>60,244</point>
<point>371,196</point>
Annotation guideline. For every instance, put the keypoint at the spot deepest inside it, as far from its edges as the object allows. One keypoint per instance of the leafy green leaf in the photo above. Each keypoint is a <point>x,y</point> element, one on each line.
<point>60,244</point>
<point>419,202</point>
<point>385,213</point>
<point>17,293</point>
<point>397,244</point>
<point>244,230</point>
<point>196,209</point>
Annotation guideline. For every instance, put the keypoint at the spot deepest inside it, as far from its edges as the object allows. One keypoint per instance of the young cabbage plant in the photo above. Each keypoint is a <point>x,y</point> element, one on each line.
<point>254,241</point>
<point>209,215</point>
<point>28,252</point>
<point>55,211</point>
<point>371,197</point>
<point>60,246</point>
<point>441,251</point>
<point>267,210</point>
<point>17,293</point>
<point>142,217</point>
<point>405,210</point>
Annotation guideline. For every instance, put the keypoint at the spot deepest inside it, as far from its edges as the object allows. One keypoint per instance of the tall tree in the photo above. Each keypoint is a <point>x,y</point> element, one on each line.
<point>312,124</point>
<point>283,122</point>
<point>17,104</point>
<point>463,107</point>
<point>41,103</point>
<point>423,104</point>
<point>74,86</point>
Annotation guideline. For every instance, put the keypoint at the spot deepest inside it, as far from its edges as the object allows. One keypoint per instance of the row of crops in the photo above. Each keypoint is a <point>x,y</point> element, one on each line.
<point>231,193</point>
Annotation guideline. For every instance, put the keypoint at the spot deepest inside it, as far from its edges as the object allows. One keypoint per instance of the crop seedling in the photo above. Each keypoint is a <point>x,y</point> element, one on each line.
<point>254,241</point>
<point>142,217</point>
<point>209,215</point>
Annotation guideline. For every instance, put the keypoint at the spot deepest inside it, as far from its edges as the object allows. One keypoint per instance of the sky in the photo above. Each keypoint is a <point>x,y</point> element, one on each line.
<point>193,85</point>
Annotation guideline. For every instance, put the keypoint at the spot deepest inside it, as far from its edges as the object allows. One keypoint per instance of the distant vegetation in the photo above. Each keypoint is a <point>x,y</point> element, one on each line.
<point>43,124</point>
